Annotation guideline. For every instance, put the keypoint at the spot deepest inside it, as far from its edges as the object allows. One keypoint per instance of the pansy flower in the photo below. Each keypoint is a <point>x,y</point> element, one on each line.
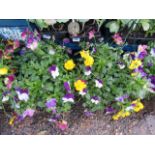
<point>121,65</point>
<point>121,98</point>
<point>95,99</point>
<point>28,112</point>
<point>98,83</point>
<point>3,71</point>
<point>32,43</point>
<point>23,94</point>
<point>54,71</point>
<point>5,96</point>
<point>80,85</point>
<point>83,92</point>
<point>139,71</point>
<point>62,125</point>
<point>152,52</point>
<point>68,98</point>
<point>117,39</point>
<point>9,80</point>
<point>67,86</point>
<point>51,104</point>
<point>88,71</point>
<point>91,34</point>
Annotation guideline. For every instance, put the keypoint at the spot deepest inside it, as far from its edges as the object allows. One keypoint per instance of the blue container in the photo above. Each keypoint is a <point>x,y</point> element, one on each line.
<point>12,28</point>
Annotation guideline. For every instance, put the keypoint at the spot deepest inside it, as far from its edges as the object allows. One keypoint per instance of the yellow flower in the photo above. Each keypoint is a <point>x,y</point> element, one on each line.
<point>80,85</point>
<point>134,74</point>
<point>84,54</point>
<point>120,114</point>
<point>115,117</point>
<point>135,64</point>
<point>138,105</point>
<point>69,65</point>
<point>3,71</point>
<point>89,61</point>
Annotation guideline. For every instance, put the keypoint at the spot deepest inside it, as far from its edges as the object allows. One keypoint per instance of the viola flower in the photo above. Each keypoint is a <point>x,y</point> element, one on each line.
<point>80,85</point>
<point>23,94</point>
<point>91,34</point>
<point>83,92</point>
<point>16,44</point>
<point>67,86</point>
<point>109,110</point>
<point>99,83</point>
<point>89,61</point>
<point>118,39</point>
<point>121,114</point>
<point>84,54</point>
<point>51,104</point>
<point>151,80</point>
<point>54,71</point>
<point>153,52</point>
<point>138,105</point>
<point>62,125</point>
<point>9,80</point>
<point>121,65</point>
<point>68,98</point>
<point>28,112</point>
<point>87,71</point>
<point>88,113</point>
<point>142,48</point>
<point>5,96</point>
<point>139,71</point>
<point>69,65</point>
<point>95,99</point>
<point>3,71</point>
<point>32,43</point>
<point>135,64</point>
<point>121,98</point>
<point>51,51</point>
<point>9,49</point>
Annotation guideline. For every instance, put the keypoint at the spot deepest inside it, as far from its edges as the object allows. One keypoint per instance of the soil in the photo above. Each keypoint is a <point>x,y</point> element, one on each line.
<point>141,123</point>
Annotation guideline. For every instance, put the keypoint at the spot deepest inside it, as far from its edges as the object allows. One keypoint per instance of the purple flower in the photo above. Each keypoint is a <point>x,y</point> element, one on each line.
<point>54,71</point>
<point>99,83</point>
<point>153,52</point>
<point>95,99</point>
<point>83,92</point>
<point>32,43</point>
<point>68,98</point>
<point>140,70</point>
<point>121,98</point>
<point>88,113</point>
<point>87,71</point>
<point>151,80</point>
<point>9,80</point>
<point>141,52</point>
<point>121,65</point>
<point>5,96</point>
<point>28,112</point>
<point>109,110</point>
<point>67,86</point>
<point>23,94</point>
<point>149,64</point>
<point>51,104</point>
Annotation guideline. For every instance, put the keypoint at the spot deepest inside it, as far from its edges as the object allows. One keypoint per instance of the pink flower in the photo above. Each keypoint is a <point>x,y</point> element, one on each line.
<point>62,125</point>
<point>9,80</point>
<point>117,39</point>
<point>91,34</point>
<point>28,112</point>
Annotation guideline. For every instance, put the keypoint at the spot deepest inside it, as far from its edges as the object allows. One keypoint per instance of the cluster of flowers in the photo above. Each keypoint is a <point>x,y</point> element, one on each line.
<point>79,86</point>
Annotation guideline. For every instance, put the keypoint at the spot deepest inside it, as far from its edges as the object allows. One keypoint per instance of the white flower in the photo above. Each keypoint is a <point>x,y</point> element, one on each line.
<point>51,52</point>
<point>23,96</point>
<point>5,98</point>
<point>98,84</point>
<point>152,52</point>
<point>55,73</point>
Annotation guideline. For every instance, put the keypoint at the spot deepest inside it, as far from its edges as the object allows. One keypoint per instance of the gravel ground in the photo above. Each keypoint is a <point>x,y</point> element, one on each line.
<point>99,124</point>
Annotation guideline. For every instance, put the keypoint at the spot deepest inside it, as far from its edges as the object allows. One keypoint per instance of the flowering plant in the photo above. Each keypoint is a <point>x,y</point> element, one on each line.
<point>46,77</point>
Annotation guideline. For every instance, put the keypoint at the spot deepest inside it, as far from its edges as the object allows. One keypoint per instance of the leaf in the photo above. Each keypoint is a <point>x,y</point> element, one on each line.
<point>113,26</point>
<point>145,25</point>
